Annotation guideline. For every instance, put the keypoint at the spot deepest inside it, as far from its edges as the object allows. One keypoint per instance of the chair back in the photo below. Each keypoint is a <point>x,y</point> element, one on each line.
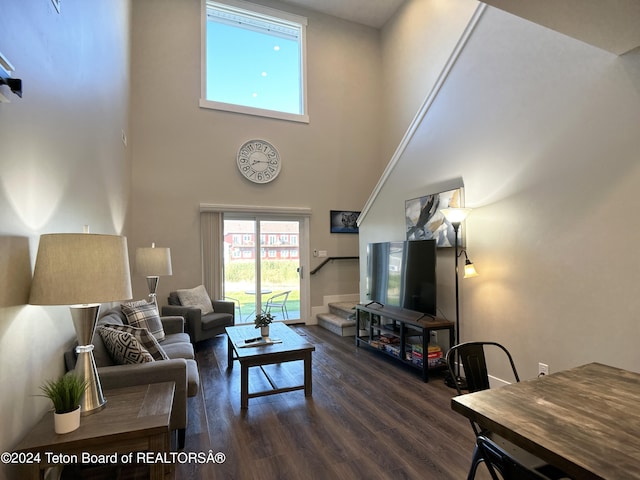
<point>472,358</point>
<point>278,299</point>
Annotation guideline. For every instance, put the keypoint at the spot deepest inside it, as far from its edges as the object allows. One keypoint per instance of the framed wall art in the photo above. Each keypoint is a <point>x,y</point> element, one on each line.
<point>424,220</point>
<point>344,221</point>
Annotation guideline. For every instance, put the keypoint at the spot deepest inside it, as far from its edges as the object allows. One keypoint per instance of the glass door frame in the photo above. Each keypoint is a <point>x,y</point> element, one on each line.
<point>303,250</point>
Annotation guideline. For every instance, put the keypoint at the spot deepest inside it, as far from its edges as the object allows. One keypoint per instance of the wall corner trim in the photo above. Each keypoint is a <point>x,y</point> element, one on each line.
<point>426,105</point>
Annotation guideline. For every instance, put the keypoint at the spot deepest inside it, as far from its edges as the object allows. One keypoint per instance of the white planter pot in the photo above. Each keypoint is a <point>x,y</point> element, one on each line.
<point>66,422</point>
<point>264,331</point>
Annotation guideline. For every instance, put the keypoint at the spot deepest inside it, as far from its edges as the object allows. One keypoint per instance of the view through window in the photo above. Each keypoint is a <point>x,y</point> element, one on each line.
<point>261,262</point>
<point>254,61</point>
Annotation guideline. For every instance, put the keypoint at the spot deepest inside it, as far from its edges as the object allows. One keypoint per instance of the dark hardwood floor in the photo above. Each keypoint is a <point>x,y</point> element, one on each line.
<point>369,418</point>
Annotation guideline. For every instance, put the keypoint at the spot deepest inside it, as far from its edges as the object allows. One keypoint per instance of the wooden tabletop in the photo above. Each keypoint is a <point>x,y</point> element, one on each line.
<point>130,414</point>
<point>585,420</point>
<point>291,341</point>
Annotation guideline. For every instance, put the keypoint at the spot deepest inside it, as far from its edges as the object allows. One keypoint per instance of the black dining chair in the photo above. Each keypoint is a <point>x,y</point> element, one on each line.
<point>496,452</point>
<point>498,459</point>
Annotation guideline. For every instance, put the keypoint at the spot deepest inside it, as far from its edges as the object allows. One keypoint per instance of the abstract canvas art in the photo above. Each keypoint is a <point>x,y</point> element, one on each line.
<point>424,220</point>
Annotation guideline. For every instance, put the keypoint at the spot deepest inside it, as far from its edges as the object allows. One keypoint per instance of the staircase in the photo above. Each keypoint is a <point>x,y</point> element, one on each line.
<point>340,320</point>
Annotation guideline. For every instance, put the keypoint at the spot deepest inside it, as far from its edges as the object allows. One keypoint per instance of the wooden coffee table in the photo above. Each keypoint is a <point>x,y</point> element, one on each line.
<point>293,347</point>
<point>135,419</point>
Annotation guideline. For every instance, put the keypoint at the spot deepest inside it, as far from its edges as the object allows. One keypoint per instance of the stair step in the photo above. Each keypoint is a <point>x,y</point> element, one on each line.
<point>343,309</point>
<point>337,324</point>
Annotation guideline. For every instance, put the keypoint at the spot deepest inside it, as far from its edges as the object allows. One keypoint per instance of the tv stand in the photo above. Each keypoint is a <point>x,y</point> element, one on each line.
<point>404,327</point>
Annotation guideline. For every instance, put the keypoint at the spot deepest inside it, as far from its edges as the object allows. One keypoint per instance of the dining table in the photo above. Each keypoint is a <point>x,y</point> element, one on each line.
<point>584,420</point>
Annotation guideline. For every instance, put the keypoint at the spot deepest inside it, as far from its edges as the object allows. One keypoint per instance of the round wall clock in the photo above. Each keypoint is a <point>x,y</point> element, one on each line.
<point>259,161</point>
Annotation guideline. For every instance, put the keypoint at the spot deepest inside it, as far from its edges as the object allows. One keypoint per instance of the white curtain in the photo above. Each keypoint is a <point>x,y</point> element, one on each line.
<point>211,227</point>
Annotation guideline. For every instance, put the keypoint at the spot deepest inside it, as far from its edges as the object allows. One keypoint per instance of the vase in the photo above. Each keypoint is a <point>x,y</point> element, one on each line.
<point>66,422</point>
<point>264,331</point>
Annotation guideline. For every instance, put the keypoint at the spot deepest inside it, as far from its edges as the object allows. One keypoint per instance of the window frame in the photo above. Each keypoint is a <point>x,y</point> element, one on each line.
<point>267,12</point>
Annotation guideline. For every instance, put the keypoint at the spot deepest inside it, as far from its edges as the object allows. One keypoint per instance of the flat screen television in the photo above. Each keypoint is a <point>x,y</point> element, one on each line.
<point>403,274</point>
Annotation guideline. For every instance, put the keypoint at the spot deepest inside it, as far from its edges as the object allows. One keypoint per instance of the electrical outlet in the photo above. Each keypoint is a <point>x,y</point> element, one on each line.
<point>543,369</point>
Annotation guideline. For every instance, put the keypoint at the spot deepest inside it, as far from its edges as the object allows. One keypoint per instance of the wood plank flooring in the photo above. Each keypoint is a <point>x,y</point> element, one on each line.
<point>369,418</point>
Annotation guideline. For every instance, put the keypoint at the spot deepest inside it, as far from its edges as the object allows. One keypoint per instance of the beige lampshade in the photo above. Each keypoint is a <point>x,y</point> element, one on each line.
<point>456,215</point>
<point>153,261</point>
<point>81,268</point>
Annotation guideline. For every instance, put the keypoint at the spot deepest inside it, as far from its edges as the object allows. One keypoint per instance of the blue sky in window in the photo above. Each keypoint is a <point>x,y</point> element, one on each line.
<point>253,69</point>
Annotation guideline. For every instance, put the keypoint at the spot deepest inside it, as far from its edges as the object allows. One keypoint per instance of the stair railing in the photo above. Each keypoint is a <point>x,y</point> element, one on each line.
<point>328,259</point>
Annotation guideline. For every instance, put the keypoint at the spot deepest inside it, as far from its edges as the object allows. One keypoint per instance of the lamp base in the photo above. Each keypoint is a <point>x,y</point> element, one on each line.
<point>84,320</point>
<point>459,383</point>
<point>152,283</point>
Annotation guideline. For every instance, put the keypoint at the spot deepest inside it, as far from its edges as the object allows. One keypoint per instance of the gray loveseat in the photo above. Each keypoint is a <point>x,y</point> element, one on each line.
<point>202,327</point>
<point>181,367</point>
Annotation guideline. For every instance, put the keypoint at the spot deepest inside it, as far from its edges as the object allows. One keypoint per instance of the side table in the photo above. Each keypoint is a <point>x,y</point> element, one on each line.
<point>135,419</point>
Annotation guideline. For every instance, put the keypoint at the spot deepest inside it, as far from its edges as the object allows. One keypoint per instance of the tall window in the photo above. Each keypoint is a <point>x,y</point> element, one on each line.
<point>253,60</point>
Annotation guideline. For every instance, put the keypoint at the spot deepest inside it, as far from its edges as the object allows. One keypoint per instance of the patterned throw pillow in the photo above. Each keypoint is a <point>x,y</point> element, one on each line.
<point>196,297</point>
<point>143,314</point>
<point>123,347</point>
<point>144,338</point>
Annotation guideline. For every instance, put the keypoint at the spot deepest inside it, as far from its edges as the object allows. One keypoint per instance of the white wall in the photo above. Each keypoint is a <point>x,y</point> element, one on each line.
<point>416,44</point>
<point>62,166</point>
<point>543,130</point>
<point>184,155</point>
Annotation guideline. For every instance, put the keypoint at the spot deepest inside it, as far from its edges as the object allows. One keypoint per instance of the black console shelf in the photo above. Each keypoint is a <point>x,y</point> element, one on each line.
<point>399,323</point>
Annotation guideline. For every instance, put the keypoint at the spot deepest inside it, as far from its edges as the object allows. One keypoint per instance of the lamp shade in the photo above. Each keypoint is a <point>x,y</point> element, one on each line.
<point>153,261</point>
<point>81,268</point>
<point>470,269</point>
<point>456,215</point>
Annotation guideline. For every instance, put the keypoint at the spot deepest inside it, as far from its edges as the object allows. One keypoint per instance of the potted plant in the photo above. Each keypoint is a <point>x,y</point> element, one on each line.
<point>65,394</point>
<point>263,320</point>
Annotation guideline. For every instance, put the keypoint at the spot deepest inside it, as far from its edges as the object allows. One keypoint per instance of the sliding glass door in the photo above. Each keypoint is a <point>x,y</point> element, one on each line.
<point>262,266</point>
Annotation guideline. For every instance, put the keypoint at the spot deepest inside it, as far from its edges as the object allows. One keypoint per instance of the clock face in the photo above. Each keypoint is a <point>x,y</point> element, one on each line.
<point>259,161</point>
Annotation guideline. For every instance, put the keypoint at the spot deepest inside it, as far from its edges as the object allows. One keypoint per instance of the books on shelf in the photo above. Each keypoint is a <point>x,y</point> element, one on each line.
<point>434,355</point>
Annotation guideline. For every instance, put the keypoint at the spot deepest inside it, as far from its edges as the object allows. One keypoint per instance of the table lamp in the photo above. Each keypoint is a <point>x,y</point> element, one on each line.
<point>82,270</point>
<point>153,262</point>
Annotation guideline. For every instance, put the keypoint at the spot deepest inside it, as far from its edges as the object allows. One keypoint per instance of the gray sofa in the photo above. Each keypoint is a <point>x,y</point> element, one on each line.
<point>181,367</point>
<point>202,327</point>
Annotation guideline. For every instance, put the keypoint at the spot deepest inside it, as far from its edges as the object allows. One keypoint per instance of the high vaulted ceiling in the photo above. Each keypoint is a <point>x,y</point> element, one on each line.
<point>373,13</point>
<point>613,25</point>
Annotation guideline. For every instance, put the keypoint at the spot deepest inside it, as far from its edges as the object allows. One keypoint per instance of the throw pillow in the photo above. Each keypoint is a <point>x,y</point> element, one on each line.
<point>144,337</point>
<point>196,297</point>
<point>123,347</point>
<point>143,314</point>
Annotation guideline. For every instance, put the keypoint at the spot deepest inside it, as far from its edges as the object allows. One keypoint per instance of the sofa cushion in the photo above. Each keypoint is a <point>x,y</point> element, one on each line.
<point>196,297</point>
<point>172,338</point>
<point>101,354</point>
<point>124,347</point>
<point>144,337</point>
<point>143,314</point>
<point>214,320</point>
<point>179,350</point>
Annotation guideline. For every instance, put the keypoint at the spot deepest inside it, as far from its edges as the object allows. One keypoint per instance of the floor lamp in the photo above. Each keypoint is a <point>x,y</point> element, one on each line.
<point>82,270</point>
<point>153,262</point>
<point>456,216</point>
